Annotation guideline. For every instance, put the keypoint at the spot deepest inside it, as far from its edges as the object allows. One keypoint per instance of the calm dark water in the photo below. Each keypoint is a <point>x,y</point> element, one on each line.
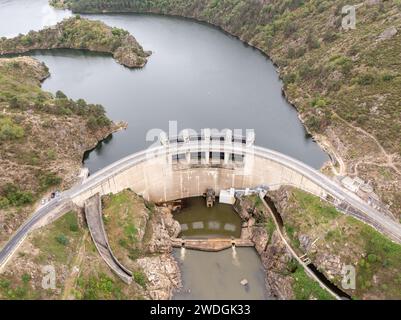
<point>197,76</point>
<point>198,221</point>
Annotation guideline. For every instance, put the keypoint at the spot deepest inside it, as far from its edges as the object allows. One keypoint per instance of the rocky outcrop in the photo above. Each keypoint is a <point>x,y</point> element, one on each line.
<point>330,263</point>
<point>275,260</point>
<point>388,34</point>
<point>163,275</point>
<point>244,208</point>
<point>172,226</point>
<point>128,57</point>
<point>161,269</point>
<point>35,70</point>
<point>164,227</point>
<point>260,238</point>
<point>248,210</point>
<point>280,200</point>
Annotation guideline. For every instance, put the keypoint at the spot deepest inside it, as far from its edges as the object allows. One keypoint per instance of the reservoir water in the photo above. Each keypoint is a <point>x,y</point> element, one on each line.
<point>198,77</point>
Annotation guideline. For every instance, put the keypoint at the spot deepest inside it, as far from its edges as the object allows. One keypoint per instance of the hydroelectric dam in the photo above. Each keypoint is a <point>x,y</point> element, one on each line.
<point>186,166</point>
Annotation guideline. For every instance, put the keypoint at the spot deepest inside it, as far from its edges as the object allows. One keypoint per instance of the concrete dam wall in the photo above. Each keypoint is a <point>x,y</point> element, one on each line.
<point>181,168</point>
<point>186,172</point>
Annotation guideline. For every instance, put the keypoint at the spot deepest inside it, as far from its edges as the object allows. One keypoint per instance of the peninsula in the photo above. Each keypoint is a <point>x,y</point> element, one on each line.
<point>82,34</point>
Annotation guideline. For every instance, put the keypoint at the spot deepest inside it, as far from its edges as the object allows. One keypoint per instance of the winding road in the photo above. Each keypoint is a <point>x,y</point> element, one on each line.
<point>351,204</point>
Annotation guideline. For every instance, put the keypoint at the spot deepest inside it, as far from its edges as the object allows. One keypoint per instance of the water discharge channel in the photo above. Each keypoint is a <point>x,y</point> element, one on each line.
<point>224,269</point>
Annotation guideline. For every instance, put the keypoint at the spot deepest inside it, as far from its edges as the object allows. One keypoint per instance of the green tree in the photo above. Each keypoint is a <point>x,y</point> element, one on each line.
<point>9,130</point>
<point>62,239</point>
<point>49,179</point>
<point>14,103</point>
<point>60,95</point>
<point>26,278</point>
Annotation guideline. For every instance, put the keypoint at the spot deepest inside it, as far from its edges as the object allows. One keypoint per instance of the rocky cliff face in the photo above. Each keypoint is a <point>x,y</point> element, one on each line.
<point>164,227</point>
<point>162,270</point>
<point>268,244</point>
<point>275,260</point>
<point>163,275</point>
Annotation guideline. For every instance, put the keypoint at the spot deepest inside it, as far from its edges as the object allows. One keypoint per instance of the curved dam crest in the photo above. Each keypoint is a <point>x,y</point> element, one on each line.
<point>152,174</point>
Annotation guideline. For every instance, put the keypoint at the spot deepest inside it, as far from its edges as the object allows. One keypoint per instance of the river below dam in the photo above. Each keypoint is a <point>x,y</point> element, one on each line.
<point>216,275</point>
<point>197,77</point>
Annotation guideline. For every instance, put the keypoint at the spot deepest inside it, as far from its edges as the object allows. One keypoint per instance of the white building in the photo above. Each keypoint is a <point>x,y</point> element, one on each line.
<point>227,196</point>
<point>352,184</point>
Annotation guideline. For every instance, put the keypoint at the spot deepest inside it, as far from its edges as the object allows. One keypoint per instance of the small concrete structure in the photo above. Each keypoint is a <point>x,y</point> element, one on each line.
<point>227,196</point>
<point>210,197</point>
<point>352,184</point>
<point>211,245</point>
